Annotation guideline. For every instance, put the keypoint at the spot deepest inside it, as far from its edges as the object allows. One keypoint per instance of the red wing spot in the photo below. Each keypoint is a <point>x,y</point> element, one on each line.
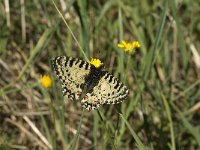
<point>78,94</point>
<point>85,97</point>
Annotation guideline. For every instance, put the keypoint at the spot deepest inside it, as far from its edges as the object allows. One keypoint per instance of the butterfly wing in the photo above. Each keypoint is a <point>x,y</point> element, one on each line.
<point>109,90</point>
<point>72,73</point>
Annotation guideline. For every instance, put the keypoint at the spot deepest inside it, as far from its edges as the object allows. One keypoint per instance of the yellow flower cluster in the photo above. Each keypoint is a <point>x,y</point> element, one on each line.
<point>96,62</point>
<point>46,81</point>
<point>129,47</point>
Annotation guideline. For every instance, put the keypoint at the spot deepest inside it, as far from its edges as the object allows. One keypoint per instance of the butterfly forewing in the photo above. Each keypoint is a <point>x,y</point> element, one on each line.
<point>72,73</point>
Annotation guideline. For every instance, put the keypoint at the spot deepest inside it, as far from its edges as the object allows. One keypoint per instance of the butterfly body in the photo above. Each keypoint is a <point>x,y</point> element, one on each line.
<point>92,79</point>
<point>83,81</point>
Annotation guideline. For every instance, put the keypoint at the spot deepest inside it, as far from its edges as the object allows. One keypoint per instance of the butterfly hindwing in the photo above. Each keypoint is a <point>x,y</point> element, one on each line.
<point>108,91</point>
<point>72,73</point>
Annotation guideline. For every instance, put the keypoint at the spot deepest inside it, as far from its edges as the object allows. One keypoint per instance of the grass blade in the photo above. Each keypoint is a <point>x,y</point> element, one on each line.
<point>137,139</point>
<point>167,108</point>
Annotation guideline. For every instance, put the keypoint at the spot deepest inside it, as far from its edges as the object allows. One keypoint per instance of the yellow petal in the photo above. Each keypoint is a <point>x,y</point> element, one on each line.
<point>123,42</point>
<point>136,44</point>
<point>120,45</point>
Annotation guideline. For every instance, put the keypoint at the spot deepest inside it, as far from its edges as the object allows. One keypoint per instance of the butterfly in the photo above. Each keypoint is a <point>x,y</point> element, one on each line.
<point>82,81</point>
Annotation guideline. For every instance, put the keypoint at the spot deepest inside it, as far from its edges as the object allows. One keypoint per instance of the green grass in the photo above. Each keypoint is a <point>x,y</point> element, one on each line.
<point>162,110</point>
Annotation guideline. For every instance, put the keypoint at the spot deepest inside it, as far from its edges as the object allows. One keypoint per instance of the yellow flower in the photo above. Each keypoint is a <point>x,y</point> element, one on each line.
<point>96,62</point>
<point>129,47</point>
<point>46,81</point>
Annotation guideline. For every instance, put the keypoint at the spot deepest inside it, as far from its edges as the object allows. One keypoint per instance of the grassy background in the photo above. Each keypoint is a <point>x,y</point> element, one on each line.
<point>163,108</point>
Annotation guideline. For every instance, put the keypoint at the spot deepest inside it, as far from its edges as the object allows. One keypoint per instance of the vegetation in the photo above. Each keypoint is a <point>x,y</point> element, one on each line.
<point>163,75</point>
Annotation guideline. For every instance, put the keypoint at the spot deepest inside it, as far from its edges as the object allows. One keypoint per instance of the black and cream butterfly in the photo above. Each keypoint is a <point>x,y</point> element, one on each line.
<point>83,81</point>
